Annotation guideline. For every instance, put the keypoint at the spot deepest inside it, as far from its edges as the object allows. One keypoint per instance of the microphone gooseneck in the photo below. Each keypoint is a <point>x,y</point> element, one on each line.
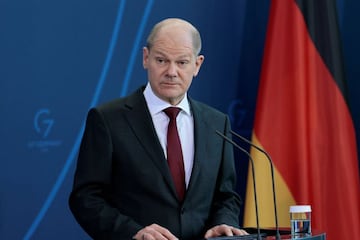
<point>272,177</point>
<point>253,175</point>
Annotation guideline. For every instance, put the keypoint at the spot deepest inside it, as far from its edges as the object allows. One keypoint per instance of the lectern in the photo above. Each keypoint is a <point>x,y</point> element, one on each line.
<point>269,234</point>
<point>285,233</point>
<point>319,236</point>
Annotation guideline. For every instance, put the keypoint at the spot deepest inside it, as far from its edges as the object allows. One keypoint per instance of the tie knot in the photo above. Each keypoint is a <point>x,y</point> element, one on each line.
<point>172,112</point>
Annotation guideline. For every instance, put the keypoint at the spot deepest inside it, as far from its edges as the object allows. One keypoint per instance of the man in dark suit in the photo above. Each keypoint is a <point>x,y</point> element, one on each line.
<point>124,187</point>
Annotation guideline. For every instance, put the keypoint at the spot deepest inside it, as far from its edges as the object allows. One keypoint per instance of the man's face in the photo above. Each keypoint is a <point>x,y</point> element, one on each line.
<point>171,64</point>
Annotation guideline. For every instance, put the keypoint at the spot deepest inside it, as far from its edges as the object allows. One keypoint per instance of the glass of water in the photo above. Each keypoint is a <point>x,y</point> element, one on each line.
<point>300,219</point>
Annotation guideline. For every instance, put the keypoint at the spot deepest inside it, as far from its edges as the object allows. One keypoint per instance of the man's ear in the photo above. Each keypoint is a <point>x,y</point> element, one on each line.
<point>145,57</point>
<point>199,60</point>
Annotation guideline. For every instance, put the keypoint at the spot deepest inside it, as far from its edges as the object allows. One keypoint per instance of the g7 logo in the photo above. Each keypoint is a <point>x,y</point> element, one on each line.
<point>42,123</point>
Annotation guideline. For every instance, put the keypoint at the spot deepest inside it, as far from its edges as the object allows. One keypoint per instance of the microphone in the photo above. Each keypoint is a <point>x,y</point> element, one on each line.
<point>272,177</point>
<point>253,175</point>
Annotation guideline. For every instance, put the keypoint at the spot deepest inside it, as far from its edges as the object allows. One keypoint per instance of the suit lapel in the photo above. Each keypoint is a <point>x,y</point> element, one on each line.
<point>200,140</point>
<point>140,121</point>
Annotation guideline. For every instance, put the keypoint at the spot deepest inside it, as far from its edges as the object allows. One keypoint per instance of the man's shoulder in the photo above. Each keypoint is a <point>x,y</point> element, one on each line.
<point>122,102</point>
<point>205,108</point>
<point>112,104</point>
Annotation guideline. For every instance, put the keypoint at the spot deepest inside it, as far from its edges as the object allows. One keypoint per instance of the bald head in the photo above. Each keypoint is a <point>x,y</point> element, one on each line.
<point>175,24</point>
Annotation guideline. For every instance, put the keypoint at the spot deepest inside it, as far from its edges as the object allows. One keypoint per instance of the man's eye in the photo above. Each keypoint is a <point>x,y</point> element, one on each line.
<point>160,60</point>
<point>183,62</point>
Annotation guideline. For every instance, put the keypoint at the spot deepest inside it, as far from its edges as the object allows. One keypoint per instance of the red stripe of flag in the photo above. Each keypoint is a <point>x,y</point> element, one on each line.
<point>302,119</point>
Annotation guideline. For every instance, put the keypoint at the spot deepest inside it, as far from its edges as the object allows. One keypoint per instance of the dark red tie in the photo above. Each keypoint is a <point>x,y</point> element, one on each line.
<point>174,152</point>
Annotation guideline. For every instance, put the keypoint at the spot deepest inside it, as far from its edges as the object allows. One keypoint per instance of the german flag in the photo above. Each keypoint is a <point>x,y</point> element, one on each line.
<point>303,121</point>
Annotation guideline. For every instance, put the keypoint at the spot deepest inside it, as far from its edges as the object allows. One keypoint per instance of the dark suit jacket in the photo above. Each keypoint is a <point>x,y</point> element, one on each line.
<point>122,182</point>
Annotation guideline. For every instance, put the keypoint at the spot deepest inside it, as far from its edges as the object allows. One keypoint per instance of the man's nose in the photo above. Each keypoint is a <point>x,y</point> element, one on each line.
<point>172,70</point>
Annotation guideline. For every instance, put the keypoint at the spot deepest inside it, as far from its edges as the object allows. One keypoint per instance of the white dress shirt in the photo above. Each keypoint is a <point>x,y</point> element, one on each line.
<point>185,125</point>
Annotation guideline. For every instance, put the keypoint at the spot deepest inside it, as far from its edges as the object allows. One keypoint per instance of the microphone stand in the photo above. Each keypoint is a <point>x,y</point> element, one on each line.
<point>253,173</point>
<point>272,177</point>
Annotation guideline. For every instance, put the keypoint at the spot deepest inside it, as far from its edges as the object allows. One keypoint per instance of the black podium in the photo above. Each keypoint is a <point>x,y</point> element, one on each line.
<point>319,236</point>
<point>285,233</point>
<point>269,234</point>
<point>314,236</point>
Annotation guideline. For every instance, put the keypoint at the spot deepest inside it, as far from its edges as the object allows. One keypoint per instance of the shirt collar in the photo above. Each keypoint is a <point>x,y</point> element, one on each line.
<point>157,105</point>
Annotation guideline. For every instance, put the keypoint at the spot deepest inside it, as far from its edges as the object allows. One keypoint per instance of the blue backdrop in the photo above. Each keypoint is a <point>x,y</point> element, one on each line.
<point>59,58</point>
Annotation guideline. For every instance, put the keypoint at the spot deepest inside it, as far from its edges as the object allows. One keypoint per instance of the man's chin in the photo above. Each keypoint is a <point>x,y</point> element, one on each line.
<point>173,99</point>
